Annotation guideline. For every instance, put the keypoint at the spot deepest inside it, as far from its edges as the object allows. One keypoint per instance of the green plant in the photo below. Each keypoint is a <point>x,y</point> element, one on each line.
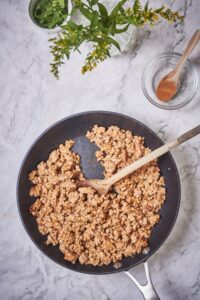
<point>101,29</point>
<point>50,13</point>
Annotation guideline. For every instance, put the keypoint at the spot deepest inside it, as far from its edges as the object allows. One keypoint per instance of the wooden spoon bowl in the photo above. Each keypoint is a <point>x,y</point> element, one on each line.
<point>167,87</point>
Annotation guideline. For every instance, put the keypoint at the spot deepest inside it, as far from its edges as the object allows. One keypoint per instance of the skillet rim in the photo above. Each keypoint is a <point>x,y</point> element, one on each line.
<point>178,191</point>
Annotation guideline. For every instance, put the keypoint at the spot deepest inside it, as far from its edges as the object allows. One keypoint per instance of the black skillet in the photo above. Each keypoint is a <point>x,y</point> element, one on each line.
<point>75,127</point>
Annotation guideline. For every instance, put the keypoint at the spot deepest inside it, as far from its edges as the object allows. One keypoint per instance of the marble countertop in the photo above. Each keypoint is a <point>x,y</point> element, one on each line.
<point>31,100</point>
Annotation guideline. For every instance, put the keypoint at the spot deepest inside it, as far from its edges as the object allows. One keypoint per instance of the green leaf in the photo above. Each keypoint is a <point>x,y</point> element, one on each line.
<point>86,13</point>
<point>95,19</point>
<point>114,42</point>
<point>121,30</point>
<point>103,11</point>
<point>117,8</point>
<point>106,20</point>
<point>146,6</point>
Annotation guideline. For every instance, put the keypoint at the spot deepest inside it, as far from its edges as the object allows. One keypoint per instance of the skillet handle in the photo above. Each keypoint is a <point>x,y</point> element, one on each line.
<point>147,289</point>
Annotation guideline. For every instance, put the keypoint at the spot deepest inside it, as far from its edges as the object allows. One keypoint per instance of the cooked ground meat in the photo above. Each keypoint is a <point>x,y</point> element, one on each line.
<point>97,229</point>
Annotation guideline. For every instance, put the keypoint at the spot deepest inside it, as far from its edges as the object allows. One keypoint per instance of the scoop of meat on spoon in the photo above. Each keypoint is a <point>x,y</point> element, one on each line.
<point>102,186</point>
<point>167,87</point>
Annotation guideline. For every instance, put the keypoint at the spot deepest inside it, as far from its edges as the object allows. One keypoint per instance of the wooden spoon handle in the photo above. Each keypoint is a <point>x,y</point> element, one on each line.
<point>153,155</point>
<point>190,46</point>
<point>188,135</point>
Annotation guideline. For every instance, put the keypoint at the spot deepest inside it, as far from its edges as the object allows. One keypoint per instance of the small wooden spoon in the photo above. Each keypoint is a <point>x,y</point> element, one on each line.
<point>103,186</point>
<point>167,87</point>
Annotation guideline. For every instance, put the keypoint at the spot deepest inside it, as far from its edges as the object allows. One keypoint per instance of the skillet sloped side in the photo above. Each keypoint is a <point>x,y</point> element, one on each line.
<point>75,127</point>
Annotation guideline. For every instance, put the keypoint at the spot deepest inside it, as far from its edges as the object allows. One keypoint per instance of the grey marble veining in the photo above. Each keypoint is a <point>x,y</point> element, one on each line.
<point>31,99</point>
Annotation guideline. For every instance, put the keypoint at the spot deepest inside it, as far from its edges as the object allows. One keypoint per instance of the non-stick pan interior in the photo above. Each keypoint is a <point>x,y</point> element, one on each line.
<point>75,128</point>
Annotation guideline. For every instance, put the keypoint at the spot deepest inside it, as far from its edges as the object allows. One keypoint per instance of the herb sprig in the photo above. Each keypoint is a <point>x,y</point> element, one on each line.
<point>50,13</point>
<point>101,30</point>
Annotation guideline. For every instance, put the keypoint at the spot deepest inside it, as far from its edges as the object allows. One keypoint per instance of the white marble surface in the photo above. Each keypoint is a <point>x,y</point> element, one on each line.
<point>31,99</point>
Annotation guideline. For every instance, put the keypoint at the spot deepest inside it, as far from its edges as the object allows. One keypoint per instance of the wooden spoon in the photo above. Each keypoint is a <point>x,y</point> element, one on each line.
<point>167,87</point>
<point>102,186</point>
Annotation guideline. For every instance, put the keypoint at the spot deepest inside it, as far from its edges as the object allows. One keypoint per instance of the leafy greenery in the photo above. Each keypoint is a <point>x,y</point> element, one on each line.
<point>101,29</point>
<point>50,13</point>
